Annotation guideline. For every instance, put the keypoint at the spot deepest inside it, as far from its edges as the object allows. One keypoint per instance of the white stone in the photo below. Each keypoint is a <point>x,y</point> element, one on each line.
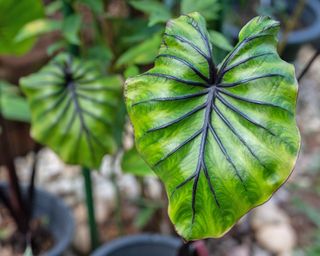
<point>153,187</point>
<point>24,166</point>
<point>128,138</point>
<point>129,186</point>
<point>61,187</point>
<point>81,241</point>
<point>105,168</point>
<point>49,166</point>
<point>80,214</point>
<point>103,210</point>
<point>103,188</point>
<point>267,214</point>
<point>280,238</point>
<point>104,197</point>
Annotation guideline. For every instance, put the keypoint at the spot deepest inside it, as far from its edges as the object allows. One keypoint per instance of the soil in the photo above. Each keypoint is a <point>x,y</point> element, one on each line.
<point>12,242</point>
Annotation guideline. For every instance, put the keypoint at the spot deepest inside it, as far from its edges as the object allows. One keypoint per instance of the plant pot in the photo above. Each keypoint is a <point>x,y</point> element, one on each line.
<point>141,245</point>
<point>60,219</point>
<point>309,34</point>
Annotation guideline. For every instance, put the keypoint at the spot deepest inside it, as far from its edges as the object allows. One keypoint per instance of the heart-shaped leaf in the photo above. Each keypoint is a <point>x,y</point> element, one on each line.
<point>73,109</point>
<point>221,138</point>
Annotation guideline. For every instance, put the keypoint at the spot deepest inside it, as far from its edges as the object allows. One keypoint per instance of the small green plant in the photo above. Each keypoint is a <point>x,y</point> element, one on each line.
<point>79,106</point>
<point>221,137</point>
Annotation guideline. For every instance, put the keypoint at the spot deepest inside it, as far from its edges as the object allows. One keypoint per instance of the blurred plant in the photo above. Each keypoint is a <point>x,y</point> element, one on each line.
<point>313,215</point>
<point>19,203</point>
<point>273,8</point>
<point>13,106</point>
<point>13,17</point>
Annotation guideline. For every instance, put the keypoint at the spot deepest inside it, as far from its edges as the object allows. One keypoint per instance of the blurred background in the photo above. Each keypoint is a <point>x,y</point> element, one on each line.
<point>123,37</point>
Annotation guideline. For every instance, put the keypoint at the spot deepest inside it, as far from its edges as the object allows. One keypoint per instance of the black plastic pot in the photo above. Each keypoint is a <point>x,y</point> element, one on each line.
<point>309,34</point>
<point>141,245</point>
<point>60,219</point>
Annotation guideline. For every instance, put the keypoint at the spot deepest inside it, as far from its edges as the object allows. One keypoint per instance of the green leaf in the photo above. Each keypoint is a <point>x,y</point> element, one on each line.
<point>71,28</point>
<point>133,163</point>
<point>13,106</point>
<point>96,6</point>
<point>36,28</point>
<point>144,216</point>
<point>56,46</point>
<point>208,8</point>
<point>157,11</point>
<point>130,71</point>
<point>53,7</point>
<point>143,53</point>
<point>28,251</point>
<point>73,109</point>
<point>14,15</point>
<point>222,138</point>
<point>101,54</point>
<point>219,40</point>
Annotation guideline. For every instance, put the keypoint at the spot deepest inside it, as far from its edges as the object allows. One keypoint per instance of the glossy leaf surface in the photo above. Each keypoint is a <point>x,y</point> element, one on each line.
<point>221,138</point>
<point>73,109</point>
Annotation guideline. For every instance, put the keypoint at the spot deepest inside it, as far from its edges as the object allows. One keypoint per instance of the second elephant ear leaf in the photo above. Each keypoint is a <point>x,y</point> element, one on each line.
<point>73,109</point>
<point>222,138</point>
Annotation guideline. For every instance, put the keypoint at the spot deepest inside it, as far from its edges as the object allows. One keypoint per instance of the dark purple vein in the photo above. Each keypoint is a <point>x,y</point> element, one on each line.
<point>183,97</point>
<point>241,114</point>
<point>177,79</point>
<point>179,119</point>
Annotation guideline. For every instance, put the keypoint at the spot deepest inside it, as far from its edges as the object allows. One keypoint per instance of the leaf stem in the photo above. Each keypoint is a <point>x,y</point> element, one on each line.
<point>68,10</point>
<point>309,64</point>
<point>90,208</point>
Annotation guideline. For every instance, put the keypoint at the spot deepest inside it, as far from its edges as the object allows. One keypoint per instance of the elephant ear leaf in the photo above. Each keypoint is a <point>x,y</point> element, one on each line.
<point>222,138</point>
<point>73,109</point>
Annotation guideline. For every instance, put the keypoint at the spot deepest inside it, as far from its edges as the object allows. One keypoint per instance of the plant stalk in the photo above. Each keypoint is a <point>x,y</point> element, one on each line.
<point>31,186</point>
<point>67,12</point>
<point>16,200</point>
<point>94,236</point>
<point>309,64</point>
